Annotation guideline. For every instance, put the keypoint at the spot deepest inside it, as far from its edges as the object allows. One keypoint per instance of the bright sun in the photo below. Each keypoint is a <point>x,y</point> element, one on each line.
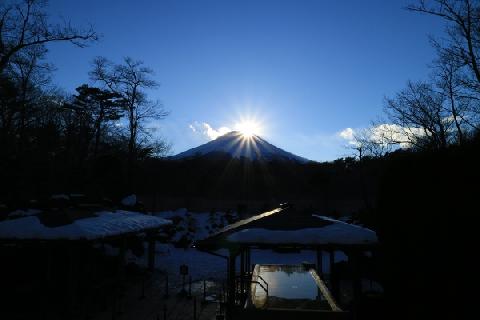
<point>248,128</point>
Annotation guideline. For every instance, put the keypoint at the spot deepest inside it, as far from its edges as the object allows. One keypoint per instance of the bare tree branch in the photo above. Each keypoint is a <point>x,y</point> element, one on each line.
<point>25,24</point>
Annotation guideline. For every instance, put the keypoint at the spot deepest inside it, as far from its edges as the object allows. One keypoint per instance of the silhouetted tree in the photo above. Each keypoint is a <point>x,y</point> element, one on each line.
<point>461,47</point>
<point>457,104</point>
<point>99,107</point>
<point>31,75</point>
<point>417,118</point>
<point>130,80</point>
<point>370,142</point>
<point>24,24</point>
<point>8,107</point>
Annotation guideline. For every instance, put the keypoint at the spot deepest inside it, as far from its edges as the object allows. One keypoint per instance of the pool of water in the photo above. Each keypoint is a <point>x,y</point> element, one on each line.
<point>289,286</point>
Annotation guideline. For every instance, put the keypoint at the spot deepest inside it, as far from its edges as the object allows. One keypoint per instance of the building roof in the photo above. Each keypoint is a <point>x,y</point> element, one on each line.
<point>35,225</point>
<point>290,227</point>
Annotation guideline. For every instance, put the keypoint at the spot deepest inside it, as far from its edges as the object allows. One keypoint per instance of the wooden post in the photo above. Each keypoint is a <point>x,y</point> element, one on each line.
<point>142,295</point>
<point>120,276</point>
<point>231,283</point>
<point>71,282</point>
<point>357,284</point>
<point>248,262</point>
<point>333,278</point>
<point>48,280</point>
<point>204,291</point>
<point>319,262</point>
<point>189,287</point>
<point>194,308</point>
<point>151,252</point>
<point>121,258</point>
<point>242,275</point>
<point>166,286</point>
<point>319,271</point>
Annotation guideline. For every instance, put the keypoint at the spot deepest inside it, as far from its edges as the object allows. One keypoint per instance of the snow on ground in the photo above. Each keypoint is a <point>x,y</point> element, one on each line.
<point>196,225</point>
<point>129,201</point>
<point>60,196</point>
<point>201,265</point>
<point>189,227</point>
<point>23,213</point>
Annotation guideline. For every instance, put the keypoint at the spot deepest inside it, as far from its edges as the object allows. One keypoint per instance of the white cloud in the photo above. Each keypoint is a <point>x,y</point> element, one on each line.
<point>348,134</point>
<point>384,133</point>
<point>207,130</point>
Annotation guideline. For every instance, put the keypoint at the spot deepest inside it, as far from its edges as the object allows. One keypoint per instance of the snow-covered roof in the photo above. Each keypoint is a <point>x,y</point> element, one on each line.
<point>291,227</point>
<point>100,225</point>
<point>337,232</point>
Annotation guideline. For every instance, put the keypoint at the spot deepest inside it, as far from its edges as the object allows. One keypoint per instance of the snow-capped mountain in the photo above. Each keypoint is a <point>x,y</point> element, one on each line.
<point>237,146</point>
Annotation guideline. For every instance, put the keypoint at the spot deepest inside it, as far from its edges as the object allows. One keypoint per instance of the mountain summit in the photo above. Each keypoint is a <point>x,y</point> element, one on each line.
<point>237,145</point>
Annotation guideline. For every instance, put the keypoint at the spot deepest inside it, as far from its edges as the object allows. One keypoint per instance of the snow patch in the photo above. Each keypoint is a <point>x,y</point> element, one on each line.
<point>60,197</point>
<point>193,226</point>
<point>23,213</point>
<point>129,201</point>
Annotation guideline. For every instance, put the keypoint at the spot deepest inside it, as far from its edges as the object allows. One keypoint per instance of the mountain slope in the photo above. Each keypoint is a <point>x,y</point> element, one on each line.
<point>237,146</point>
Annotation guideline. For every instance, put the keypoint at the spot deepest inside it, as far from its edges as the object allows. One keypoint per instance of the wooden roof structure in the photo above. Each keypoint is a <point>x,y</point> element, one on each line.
<point>289,227</point>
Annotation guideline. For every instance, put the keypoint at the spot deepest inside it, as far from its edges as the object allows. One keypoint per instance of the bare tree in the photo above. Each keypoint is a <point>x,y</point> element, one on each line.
<point>130,80</point>
<point>417,117</point>
<point>370,142</point>
<point>462,45</point>
<point>24,24</point>
<point>457,102</point>
<point>31,75</point>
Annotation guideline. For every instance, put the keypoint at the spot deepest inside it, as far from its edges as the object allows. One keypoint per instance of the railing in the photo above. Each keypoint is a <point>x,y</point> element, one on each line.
<point>261,285</point>
<point>247,279</point>
<point>266,283</point>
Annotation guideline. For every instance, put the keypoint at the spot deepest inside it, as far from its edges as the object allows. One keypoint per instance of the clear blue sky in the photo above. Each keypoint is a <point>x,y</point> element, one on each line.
<point>305,69</point>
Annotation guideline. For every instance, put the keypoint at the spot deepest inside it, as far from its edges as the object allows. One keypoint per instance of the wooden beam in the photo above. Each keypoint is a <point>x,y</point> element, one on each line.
<point>325,292</point>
